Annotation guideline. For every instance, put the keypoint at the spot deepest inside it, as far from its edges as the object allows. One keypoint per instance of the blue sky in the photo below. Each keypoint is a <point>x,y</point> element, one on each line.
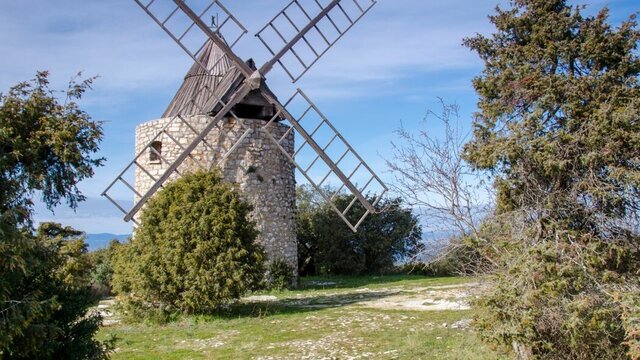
<point>391,67</point>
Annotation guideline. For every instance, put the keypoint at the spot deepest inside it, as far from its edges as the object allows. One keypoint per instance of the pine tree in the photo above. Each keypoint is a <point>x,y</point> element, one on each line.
<point>559,125</point>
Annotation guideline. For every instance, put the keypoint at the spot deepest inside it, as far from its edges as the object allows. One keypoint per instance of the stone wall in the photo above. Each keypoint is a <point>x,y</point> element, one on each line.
<point>257,166</point>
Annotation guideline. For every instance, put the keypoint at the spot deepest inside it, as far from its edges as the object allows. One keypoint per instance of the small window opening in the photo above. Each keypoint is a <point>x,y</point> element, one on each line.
<point>246,111</point>
<point>155,151</point>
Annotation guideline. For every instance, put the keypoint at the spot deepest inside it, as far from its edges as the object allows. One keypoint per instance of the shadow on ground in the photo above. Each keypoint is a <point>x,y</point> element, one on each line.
<point>299,305</point>
<point>348,291</point>
<point>345,282</point>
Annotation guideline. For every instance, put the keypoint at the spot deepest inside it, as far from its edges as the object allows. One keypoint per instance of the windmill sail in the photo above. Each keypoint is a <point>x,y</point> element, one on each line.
<point>330,160</point>
<point>201,91</point>
<point>219,81</point>
<point>305,30</point>
<point>190,30</point>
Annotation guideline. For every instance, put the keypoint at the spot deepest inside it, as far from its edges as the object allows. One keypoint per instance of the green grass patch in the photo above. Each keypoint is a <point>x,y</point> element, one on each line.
<point>315,321</point>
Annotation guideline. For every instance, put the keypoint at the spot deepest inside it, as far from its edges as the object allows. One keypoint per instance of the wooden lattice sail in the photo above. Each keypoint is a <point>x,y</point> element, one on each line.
<point>221,84</point>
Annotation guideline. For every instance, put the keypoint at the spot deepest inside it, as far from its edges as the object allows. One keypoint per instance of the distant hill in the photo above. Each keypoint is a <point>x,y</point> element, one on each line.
<point>99,241</point>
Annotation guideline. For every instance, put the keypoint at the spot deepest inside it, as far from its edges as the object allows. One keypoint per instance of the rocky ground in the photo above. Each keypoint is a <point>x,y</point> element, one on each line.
<point>326,320</point>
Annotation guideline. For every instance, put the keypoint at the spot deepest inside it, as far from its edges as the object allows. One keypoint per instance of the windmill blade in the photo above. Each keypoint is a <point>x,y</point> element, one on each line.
<point>173,168</point>
<point>188,27</point>
<point>333,159</point>
<point>305,30</point>
<point>223,99</point>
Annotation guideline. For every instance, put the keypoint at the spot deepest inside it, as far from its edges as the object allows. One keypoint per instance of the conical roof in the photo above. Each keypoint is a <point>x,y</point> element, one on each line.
<point>190,98</point>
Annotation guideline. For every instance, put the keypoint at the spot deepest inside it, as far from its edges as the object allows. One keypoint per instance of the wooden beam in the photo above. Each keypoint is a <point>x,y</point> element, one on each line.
<point>269,65</point>
<point>246,70</point>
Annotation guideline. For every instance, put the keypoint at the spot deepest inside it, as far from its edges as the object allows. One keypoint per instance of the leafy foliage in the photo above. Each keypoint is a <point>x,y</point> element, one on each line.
<point>46,146</point>
<point>327,246</point>
<point>559,299</point>
<point>102,268</point>
<point>56,281</point>
<point>280,275</point>
<point>194,250</point>
<point>58,277</point>
<point>558,126</point>
<point>461,256</point>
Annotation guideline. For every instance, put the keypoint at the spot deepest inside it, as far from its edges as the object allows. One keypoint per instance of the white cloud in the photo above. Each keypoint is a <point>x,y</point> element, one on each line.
<point>118,41</point>
<point>127,51</point>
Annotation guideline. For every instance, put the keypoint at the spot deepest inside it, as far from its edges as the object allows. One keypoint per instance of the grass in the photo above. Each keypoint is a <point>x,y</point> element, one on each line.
<point>332,318</point>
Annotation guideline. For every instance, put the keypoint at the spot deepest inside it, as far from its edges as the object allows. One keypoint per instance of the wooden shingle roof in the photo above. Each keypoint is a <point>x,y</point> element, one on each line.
<point>191,98</point>
<point>202,90</point>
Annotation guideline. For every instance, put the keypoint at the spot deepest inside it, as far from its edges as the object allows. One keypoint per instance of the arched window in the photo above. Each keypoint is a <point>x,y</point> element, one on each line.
<point>154,152</point>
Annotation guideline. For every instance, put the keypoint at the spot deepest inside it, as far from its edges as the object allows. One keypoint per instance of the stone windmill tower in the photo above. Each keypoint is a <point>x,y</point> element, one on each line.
<point>261,171</point>
<point>225,116</point>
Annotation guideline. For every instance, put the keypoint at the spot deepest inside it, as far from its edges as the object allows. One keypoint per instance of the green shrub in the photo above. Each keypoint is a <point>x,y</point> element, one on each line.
<point>631,320</point>
<point>280,275</point>
<point>102,268</point>
<point>195,249</point>
<point>58,281</point>
<point>552,302</point>
<point>419,268</point>
<point>326,245</point>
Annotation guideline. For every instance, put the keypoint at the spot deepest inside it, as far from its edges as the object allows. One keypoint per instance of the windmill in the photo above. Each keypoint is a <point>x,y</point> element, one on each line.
<point>221,89</point>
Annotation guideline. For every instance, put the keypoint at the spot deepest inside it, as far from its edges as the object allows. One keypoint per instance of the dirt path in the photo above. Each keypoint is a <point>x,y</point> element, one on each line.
<point>432,298</point>
<point>436,298</point>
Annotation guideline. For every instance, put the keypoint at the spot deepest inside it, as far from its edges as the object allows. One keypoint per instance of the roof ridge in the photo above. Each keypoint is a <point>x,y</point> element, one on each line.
<point>190,97</point>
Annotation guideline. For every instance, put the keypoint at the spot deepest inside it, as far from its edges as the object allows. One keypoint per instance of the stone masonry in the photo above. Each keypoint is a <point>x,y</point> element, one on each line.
<point>262,173</point>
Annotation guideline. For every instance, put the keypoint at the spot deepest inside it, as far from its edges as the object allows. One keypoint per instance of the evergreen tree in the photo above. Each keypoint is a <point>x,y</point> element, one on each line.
<point>326,245</point>
<point>58,276</point>
<point>195,248</point>
<point>559,126</point>
<point>47,146</point>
